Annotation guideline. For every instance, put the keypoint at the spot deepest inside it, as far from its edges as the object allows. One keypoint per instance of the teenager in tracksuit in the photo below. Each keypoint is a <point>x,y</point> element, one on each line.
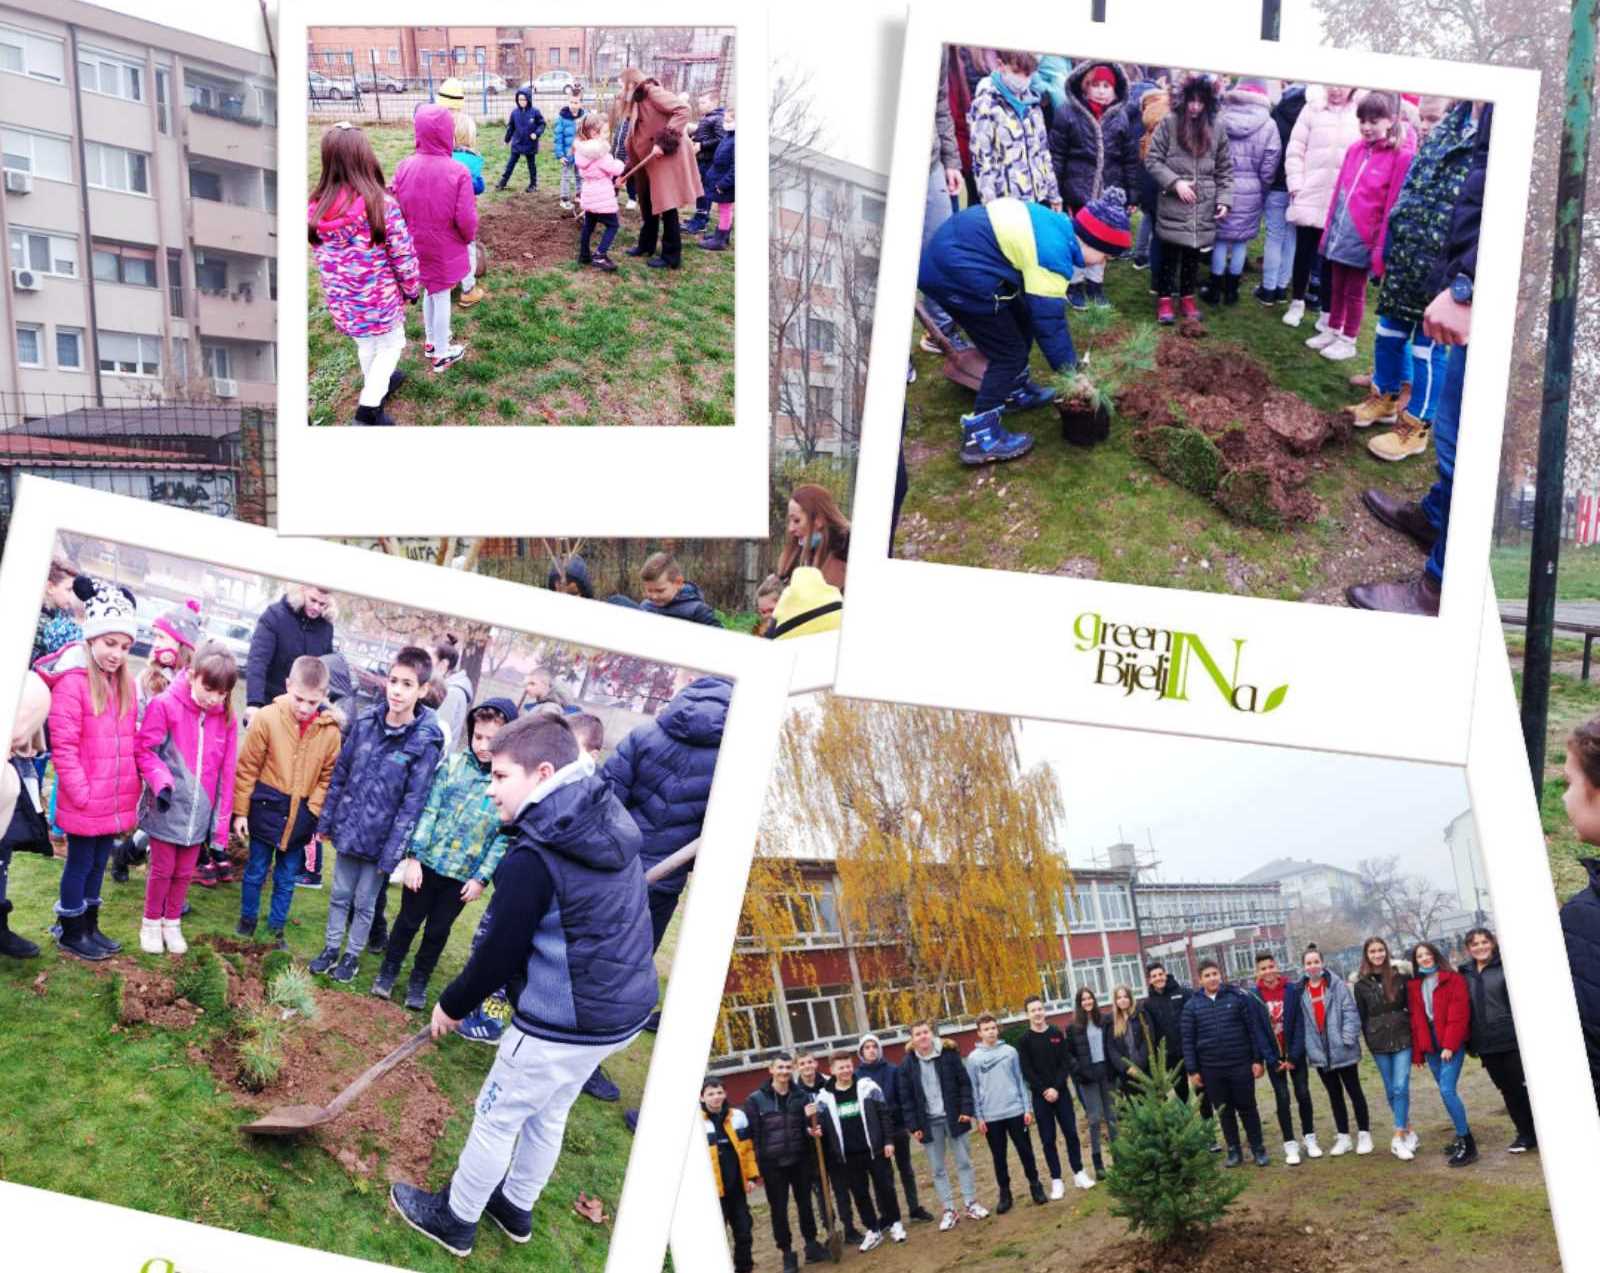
<point>872,1064</point>
<point>1047,1068</point>
<point>733,1166</point>
<point>860,1122</point>
<point>937,1109</point>
<point>779,1114</point>
<point>571,932</point>
<point>1225,1050</point>
<point>1004,1107</point>
<point>1280,1004</point>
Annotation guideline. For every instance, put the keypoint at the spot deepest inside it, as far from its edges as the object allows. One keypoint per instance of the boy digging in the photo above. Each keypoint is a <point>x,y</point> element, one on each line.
<point>570,930</point>
<point>452,857</point>
<point>286,762</point>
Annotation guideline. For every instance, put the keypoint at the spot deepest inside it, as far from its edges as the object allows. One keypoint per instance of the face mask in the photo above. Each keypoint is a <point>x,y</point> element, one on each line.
<point>816,540</point>
<point>165,657</point>
<point>1018,84</point>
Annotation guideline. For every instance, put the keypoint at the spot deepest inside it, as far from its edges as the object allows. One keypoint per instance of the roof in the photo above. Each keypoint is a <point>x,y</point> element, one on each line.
<point>1287,868</point>
<point>798,157</point>
<point>174,420</point>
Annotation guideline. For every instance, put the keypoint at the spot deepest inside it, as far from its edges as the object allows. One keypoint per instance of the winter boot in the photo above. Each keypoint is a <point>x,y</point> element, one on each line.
<point>1026,396</point>
<point>1230,289</point>
<point>695,224</point>
<point>150,937</point>
<point>816,1253</point>
<point>1036,1192</point>
<point>373,416</point>
<point>1375,408</point>
<point>716,241</point>
<point>1188,309</point>
<point>1211,293</point>
<point>224,866</point>
<point>75,941</point>
<point>1409,437</point>
<point>119,862</point>
<point>205,874</point>
<point>245,928</point>
<point>1449,1149</point>
<point>430,1215</point>
<point>985,440</point>
<point>1164,312</point>
<point>91,921</point>
<point>1077,296</point>
<point>1466,1153</point>
<point>172,936</point>
<point>11,944</point>
<point>514,1222</point>
<point>383,983</point>
<point>416,993</point>
<point>1004,1204</point>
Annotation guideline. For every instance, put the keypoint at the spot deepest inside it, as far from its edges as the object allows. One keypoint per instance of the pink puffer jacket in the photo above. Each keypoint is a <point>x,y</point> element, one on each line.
<point>190,756</point>
<point>435,194</point>
<point>1371,178</point>
<point>597,172</point>
<point>99,772</point>
<point>1316,149</point>
<point>364,284</point>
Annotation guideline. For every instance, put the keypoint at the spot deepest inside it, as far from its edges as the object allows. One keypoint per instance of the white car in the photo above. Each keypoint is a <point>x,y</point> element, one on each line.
<point>234,635</point>
<point>325,86</point>
<point>551,82</point>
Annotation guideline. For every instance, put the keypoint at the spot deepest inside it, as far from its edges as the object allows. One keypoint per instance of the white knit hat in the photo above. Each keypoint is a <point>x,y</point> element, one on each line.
<point>107,606</point>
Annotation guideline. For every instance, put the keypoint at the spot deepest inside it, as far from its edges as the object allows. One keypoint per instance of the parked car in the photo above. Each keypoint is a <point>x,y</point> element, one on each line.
<point>232,634</point>
<point>495,83</point>
<point>328,86</point>
<point>554,81</point>
<point>381,83</point>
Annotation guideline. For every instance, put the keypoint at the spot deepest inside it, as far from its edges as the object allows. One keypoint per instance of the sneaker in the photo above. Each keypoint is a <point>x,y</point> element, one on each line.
<point>345,971</point>
<point>600,1086</point>
<point>427,348</point>
<point>308,879</point>
<point>1291,1153</point>
<point>1341,349</point>
<point>1077,296</point>
<point>1313,1150</point>
<point>630,205</point>
<point>1401,1149</point>
<point>1522,1144</point>
<point>897,1232</point>
<point>976,1211</point>
<point>326,960</point>
<point>1377,408</point>
<point>816,1253</point>
<point>430,1215</point>
<point>652,1023</point>
<point>1363,1142</point>
<point>1323,324</point>
<point>1261,1158</point>
<point>1267,296</point>
<point>449,358</point>
<point>1141,262</point>
<point>1341,1145</point>
<point>245,927</point>
<point>928,345</point>
<point>1412,1142</point>
<point>604,264</point>
<point>514,1222</point>
<point>416,995</point>
<point>872,1241</point>
<point>984,440</point>
<point>1234,1159</point>
<point>172,937</point>
<point>469,299</point>
<point>1466,1152</point>
<point>480,1028</point>
<point>791,1262</point>
<point>1058,1189</point>
<point>1295,312</point>
<point>378,937</point>
<point>947,1221</point>
<point>630,1118</point>
<point>1322,339</point>
<point>1409,437</point>
<point>1082,1180</point>
<point>566,205</point>
<point>1027,396</point>
<point>383,983</point>
<point>150,937</point>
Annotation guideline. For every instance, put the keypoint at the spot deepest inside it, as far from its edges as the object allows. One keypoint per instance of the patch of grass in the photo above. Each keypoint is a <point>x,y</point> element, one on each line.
<point>1459,1222</point>
<point>202,979</point>
<point>1577,572</point>
<point>273,963</point>
<point>292,990</point>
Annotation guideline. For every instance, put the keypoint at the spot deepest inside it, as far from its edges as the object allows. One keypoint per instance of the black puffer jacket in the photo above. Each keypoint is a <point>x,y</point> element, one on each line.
<point>1163,1013</point>
<point>1131,1049</point>
<point>1083,1063</point>
<point>1385,1023</point>
<point>1284,115</point>
<point>1580,924</point>
<point>1090,154</point>
<point>1493,1030</point>
<point>282,635</point>
<point>778,1124</point>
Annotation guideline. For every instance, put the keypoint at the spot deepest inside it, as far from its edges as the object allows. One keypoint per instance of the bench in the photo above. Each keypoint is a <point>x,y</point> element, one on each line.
<point>1589,631</point>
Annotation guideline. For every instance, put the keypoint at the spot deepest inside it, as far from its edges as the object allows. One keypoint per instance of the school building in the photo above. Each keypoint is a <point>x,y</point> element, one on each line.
<point>1180,924</point>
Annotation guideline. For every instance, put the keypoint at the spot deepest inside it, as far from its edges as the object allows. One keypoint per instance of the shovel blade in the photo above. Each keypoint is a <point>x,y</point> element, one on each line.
<point>965,368</point>
<point>286,1120</point>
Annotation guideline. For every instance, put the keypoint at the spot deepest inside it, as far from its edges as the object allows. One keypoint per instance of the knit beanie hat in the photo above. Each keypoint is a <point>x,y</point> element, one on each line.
<point>1103,223</point>
<point>107,607</point>
<point>182,623</point>
<point>451,94</point>
<point>1252,84</point>
<point>1101,74</point>
<point>808,605</point>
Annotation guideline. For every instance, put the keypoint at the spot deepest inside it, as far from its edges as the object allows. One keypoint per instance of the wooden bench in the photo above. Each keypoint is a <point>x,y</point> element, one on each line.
<point>1584,620</point>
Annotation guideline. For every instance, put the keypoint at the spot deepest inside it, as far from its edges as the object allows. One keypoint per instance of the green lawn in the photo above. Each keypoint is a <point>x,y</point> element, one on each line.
<point>133,1115</point>
<point>1572,701</point>
<point>1577,572</point>
<point>554,343</point>
<point>1106,513</point>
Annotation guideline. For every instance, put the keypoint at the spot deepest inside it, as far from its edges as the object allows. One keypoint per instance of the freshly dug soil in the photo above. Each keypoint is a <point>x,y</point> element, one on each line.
<point>1261,1246</point>
<point>148,998</point>
<point>1210,419</point>
<point>530,235</point>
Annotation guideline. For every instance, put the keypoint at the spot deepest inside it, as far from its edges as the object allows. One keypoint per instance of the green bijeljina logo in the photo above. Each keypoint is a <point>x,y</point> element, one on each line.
<point>1160,661</point>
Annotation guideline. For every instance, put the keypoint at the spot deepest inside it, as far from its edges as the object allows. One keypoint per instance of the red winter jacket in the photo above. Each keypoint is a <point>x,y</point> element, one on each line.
<point>97,760</point>
<point>190,756</point>
<point>1452,1015</point>
<point>435,194</point>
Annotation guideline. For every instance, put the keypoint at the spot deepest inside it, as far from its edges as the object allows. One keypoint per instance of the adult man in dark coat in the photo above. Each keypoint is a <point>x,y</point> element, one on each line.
<point>299,622</point>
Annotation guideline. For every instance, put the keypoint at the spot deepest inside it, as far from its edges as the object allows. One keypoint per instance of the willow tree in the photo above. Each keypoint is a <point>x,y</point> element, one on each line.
<point>945,847</point>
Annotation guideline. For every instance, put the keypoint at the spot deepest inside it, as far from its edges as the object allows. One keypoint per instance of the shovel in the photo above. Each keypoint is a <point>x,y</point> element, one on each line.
<point>964,367</point>
<point>835,1234</point>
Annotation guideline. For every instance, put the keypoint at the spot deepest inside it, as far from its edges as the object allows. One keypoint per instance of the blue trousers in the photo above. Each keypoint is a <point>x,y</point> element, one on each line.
<point>1446,428</point>
<point>1395,1068</point>
<point>1277,261</point>
<point>1445,1074</point>
<point>81,878</point>
<point>1402,355</point>
<point>288,865</point>
<point>935,212</point>
<point>1228,258</point>
<point>1004,335</point>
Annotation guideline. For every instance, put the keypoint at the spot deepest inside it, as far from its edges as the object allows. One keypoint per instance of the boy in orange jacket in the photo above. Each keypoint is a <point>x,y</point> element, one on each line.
<point>733,1166</point>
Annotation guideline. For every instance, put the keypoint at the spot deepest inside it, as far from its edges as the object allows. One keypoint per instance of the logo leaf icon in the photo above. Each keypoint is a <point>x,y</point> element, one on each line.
<point>1275,699</point>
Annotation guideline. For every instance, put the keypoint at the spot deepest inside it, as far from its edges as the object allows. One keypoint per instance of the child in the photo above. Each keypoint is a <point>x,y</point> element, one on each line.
<point>23,824</point>
<point>936,1108</point>
<point>1325,128</point>
<point>707,132</point>
<point>523,130</point>
<point>766,602</point>
<point>58,623</point>
<point>1580,917</point>
<point>1009,145</point>
<point>733,1165</point>
<point>665,592</point>
<point>451,858</point>
<point>1277,257</point>
<point>466,154</point>
<point>1368,185</point>
<point>566,135</point>
<point>1092,146</point>
<point>435,194</point>
<point>718,178</point>
<point>1226,1048</point>
<point>1004,1108</point>
<point>285,765</point>
<point>172,641</point>
<point>366,262</point>
<point>590,732</point>
<point>621,126</point>
<point>1192,166</point>
<point>100,769</point>
<point>570,926</point>
<point>376,793</point>
<point>861,1144</point>
<point>189,744</point>
<point>597,172</point>
<point>571,577</point>
<point>1256,154</point>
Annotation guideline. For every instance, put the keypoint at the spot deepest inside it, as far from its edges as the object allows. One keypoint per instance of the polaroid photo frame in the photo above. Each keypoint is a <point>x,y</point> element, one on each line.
<point>690,481</point>
<point>1252,669</point>
<point>762,675</point>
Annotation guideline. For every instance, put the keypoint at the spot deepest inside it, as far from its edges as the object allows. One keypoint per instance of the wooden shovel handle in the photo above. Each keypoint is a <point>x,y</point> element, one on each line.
<point>409,1048</point>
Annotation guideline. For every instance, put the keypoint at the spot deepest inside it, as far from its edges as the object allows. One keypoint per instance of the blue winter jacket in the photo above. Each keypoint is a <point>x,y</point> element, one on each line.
<point>719,176</point>
<point>567,131</point>
<point>886,1074</point>
<point>1225,1032</point>
<point>524,127</point>
<point>380,785</point>
<point>577,571</point>
<point>689,604</point>
<point>1580,924</point>
<point>1294,1042</point>
<point>472,161</point>
<point>988,256</point>
<point>662,772</point>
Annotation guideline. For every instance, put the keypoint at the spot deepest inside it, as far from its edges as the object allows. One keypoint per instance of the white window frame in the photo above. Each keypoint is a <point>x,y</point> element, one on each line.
<point>20,37</point>
<point>33,158</point>
<point>808,999</point>
<point>122,64</point>
<point>141,343</point>
<point>37,330</point>
<point>1114,897</point>
<point>97,154</point>
<point>213,357</point>
<point>125,252</point>
<point>77,334</point>
<point>21,233</point>
<point>393,58</point>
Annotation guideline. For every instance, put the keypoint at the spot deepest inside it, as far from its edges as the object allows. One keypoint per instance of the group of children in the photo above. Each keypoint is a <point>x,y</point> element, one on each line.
<point>378,250</point>
<point>1222,1037</point>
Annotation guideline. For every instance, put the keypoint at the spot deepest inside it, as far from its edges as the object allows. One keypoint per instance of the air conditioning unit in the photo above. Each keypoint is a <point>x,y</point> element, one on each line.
<point>224,388</point>
<point>24,280</point>
<point>18,182</point>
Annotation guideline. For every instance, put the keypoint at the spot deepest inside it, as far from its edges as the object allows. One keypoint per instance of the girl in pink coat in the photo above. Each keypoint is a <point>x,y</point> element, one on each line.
<point>188,745</point>
<point>598,171</point>
<point>100,773</point>
<point>1368,184</point>
<point>435,194</point>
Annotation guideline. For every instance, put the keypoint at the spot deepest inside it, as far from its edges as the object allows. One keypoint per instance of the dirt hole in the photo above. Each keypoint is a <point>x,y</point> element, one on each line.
<point>526,233</point>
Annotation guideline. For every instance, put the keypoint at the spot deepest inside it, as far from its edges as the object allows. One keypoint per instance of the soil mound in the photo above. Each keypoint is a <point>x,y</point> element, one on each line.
<point>1254,1247</point>
<point>526,233</point>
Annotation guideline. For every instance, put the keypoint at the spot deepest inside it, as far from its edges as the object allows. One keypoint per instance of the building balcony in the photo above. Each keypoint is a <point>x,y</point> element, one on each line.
<point>217,133</point>
<point>233,228</point>
<point>257,393</point>
<point>238,315</point>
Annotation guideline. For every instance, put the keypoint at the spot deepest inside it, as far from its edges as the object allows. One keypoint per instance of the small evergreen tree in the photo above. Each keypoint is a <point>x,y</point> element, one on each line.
<point>1165,1181</point>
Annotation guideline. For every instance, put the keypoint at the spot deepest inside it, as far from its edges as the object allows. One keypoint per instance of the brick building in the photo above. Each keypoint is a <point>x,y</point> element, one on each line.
<point>1181,924</point>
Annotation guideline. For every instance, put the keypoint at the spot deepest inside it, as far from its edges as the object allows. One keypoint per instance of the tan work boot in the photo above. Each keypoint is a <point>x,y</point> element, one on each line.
<point>471,298</point>
<point>1409,437</point>
<point>1376,408</point>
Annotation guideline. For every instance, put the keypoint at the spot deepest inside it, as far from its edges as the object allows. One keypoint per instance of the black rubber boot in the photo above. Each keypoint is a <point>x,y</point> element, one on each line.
<point>74,941</point>
<point>91,930</point>
<point>1230,290</point>
<point>10,944</point>
<point>1211,293</point>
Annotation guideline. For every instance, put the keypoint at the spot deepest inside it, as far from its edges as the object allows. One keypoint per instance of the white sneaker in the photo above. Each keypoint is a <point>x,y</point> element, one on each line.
<point>1401,1149</point>
<point>1313,1150</point>
<point>567,204</point>
<point>1363,1142</point>
<point>872,1241</point>
<point>631,204</point>
<point>1322,321</point>
<point>1341,1145</point>
<point>1341,349</point>
<point>1291,1153</point>
<point>1083,1180</point>
<point>150,937</point>
<point>947,1221</point>
<point>172,935</point>
<point>976,1211</point>
<point>1057,1189</point>
<point>1295,312</point>
<point>452,355</point>
<point>897,1232</point>
<point>1412,1142</point>
<point>1322,339</point>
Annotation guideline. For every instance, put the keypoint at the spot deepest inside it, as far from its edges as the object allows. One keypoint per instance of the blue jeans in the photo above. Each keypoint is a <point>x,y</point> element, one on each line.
<point>1277,261</point>
<point>1402,355</point>
<point>1228,258</point>
<point>1004,335</point>
<point>936,212</point>
<point>1445,1074</point>
<point>87,856</point>
<point>1446,428</point>
<point>289,864</point>
<point>1395,1068</point>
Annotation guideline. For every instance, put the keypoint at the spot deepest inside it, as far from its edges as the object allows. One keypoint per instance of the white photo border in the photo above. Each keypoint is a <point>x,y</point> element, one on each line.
<point>762,673</point>
<point>1359,681</point>
<point>688,481</point>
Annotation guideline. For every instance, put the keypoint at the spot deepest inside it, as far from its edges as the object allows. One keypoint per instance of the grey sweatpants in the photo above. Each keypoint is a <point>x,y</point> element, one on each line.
<point>354,880</point>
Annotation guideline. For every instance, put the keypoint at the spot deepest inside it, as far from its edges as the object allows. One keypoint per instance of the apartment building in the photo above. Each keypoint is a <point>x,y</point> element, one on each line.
<point>138,204</point>
<point>1310,884</point>
<point>414,53</point>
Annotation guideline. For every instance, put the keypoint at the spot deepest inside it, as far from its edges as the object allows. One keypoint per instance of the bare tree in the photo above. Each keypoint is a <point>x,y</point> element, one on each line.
<point>1406,907</point>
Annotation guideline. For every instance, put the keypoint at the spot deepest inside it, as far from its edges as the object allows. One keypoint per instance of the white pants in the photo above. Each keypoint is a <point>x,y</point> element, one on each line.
<point>436,320</point>
<point>470,281</point>
<point>379,356</point>
<point>520,1119</point>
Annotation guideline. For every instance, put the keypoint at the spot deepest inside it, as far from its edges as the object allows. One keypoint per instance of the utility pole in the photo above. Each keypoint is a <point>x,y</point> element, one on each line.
<point>1550,490</point>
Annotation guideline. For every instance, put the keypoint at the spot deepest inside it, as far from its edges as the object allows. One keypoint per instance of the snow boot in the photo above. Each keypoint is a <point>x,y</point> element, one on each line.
<point>985,440</point>
<point>1230,289</point>
<point>1004,1204</point>
<point>1466,1153</point>
<point>1211,293</point>
<point>10,944</point>
<point>150,936</point>
<point>1164,312</point>
<point>75,941</point>
<point>91,922</point>
<point>716,241</point>
<point>1188,309</point>
<point>172,936</point>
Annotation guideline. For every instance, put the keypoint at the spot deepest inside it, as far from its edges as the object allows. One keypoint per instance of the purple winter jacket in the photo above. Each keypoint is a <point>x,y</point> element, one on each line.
<point>1255,147</point>
<point>435,194</point>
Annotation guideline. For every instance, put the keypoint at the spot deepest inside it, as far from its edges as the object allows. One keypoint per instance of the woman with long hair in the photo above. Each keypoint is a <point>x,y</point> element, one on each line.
<point>1493,1038</point>
<point>1088,1039</point>
<point>816,533</point>
<point>665,175</point>
<point>1331,1042</point>
<point>1384,1004</point>
<point>1441,1012</point>
<point>1128,1047</point>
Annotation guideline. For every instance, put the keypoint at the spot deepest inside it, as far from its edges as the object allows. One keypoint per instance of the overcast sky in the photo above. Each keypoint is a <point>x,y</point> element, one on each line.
<point>232,21</point>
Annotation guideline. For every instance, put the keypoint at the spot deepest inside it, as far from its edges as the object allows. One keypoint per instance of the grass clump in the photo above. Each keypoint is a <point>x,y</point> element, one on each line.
<point>261,1049</point>
<point>291,992</point>
<point>1247,495</point>
<point>1185,455</point>
<point>202,979</point>
<point>273,963</point>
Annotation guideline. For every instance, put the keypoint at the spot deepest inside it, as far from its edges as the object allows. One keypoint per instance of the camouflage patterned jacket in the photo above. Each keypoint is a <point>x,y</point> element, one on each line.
<point>1420,220</point>
<point>1010,147</point>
